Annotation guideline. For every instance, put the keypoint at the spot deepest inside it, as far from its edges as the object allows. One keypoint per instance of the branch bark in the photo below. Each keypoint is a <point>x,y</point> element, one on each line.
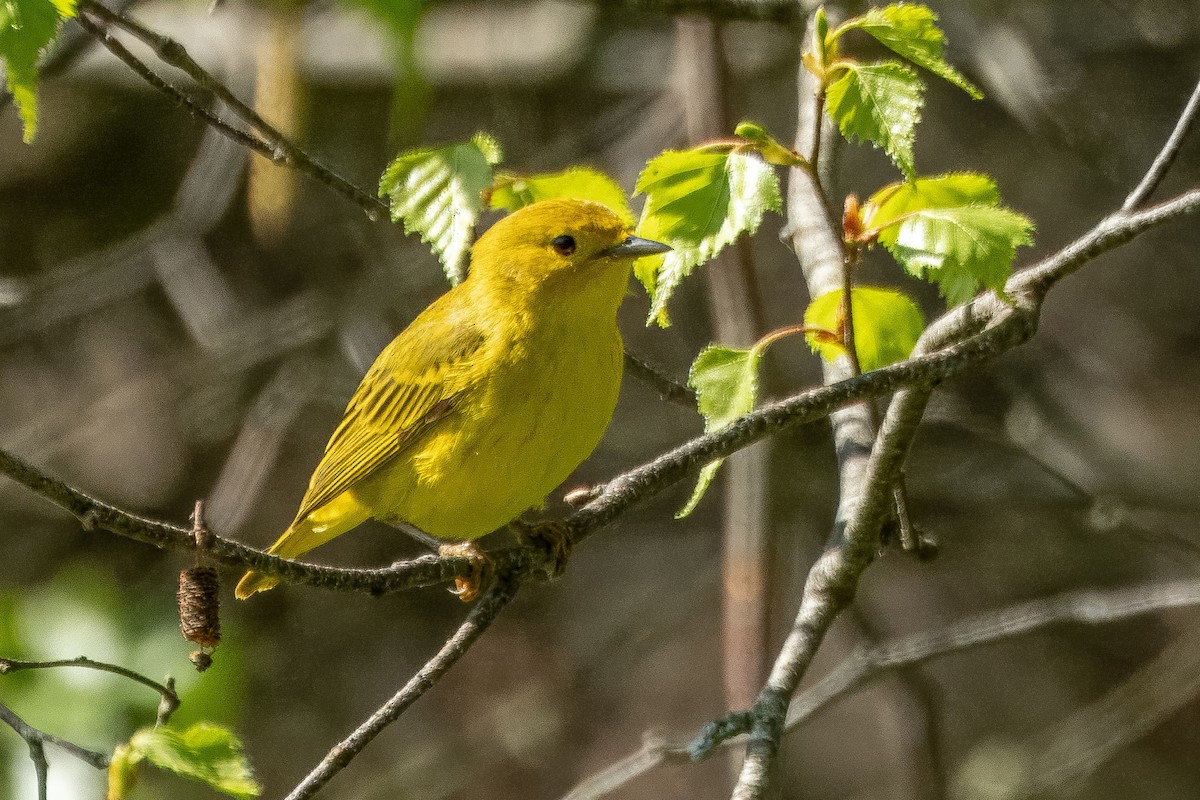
<point>869,663</point>
<point>610,500</point>
<point>481,617</point>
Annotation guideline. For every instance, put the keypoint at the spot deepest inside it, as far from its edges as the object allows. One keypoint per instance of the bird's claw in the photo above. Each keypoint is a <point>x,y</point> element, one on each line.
<point>468,588</point>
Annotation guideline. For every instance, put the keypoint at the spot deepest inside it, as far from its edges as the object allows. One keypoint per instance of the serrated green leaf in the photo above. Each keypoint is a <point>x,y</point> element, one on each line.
<point>910,30</point>
<point>940,191</point>
<point>698,201</point>
<point>581,183</point>
<point>960,248</point>
<point>879,103</point>
<point>771,149</point>
<point>26,27</point>
<point>887,324</point>
<point>726,384</point>
<point>203,752</point>
<point>438,193</point>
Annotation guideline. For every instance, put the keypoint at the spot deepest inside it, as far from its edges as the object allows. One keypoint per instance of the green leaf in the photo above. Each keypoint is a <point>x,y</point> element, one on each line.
<point>438,193</point>
<point>770,148</point>
<point>26,27</point>
<point>959,249</point>
<point>726,384</point>
<point>708,473</point>
<point>879,103</point>
<point>911,31</point>
<point>203,752</point>
<point>939,191</point>
<point>698,201</point>
<point>887,324</point>
<point>581,183</point>
<point>950,229</point>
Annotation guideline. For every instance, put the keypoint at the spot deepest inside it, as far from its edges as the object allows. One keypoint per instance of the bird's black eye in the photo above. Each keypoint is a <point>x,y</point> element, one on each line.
<point>563,245</point>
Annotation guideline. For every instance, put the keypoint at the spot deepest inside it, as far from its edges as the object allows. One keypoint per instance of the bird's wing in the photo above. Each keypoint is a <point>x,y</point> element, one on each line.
<point>416,380</point>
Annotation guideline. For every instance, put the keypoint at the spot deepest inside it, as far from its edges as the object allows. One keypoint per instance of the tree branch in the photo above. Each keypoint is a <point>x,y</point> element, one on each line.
<point>612,499</point>
<point>37,740</point>
<point>169,699</point>
<point>866,664</point>
<point>667,388</point>
<point>482,615</point>
<point>277,147</point>
<point>1166,156</point>
<point>833,579</point>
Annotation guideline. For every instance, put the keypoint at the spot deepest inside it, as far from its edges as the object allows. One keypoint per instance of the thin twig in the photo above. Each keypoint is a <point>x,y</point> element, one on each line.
<point>1166,156</point>
<point>167,693</point>
<point>482,615</point>
<point>866,664</point>
<point>276,148</point>
<point>667,389</point>
<point>36,739</point>
<point>134,63</point>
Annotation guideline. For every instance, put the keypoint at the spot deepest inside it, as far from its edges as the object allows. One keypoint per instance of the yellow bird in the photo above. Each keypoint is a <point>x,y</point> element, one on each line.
<point>491,397</point>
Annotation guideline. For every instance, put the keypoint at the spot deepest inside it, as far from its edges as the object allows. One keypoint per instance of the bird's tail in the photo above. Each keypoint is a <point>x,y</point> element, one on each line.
<point>330,520</point>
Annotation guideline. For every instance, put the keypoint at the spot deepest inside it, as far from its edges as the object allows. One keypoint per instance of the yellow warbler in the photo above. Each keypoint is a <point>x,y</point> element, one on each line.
<point>494,393</point>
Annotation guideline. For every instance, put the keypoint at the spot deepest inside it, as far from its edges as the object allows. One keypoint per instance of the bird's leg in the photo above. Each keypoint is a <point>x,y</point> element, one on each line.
<point>482,572</point>
<point>552,536</point>
<point>427,539</point>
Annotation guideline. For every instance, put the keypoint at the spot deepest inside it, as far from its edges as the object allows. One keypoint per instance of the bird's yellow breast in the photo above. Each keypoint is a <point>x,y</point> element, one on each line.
<point>536,415</point>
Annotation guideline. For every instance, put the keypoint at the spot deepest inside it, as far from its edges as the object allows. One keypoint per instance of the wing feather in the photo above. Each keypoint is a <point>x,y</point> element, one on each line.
<point>416,380</point>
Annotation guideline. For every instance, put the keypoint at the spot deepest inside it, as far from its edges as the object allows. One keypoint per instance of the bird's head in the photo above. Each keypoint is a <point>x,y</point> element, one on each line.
<point>560,243</point>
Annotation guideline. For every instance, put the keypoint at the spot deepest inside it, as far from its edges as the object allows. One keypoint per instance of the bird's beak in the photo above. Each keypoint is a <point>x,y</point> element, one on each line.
<point>635,246</point>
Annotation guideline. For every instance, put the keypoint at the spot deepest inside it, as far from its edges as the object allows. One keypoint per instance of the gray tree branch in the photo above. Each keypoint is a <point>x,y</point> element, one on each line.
<point>833,579</point>
<point>868,663</point>
<point>482,615</point>
<point>608,501</point>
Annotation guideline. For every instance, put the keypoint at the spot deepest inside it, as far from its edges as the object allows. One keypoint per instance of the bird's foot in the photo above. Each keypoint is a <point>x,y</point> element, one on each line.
<point>482,572</point>
<point>551,536</point>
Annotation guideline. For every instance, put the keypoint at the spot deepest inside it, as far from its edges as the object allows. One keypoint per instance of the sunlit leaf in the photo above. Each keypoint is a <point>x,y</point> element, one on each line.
<point>959,249</point>
<point>910,30</point>
<point>726,384</point>
<point>438,193</point>
<point>203,752</point>
<point>939,191</point>
<point>879,103</point>
<point>581,183</point>
<point>887,324</point>
<point>698,201</point>
<point>26,27</point>
<point>951,230</point>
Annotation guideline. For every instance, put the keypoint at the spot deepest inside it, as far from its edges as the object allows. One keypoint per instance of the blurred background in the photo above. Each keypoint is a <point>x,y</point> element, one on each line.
<point>180,320</point>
